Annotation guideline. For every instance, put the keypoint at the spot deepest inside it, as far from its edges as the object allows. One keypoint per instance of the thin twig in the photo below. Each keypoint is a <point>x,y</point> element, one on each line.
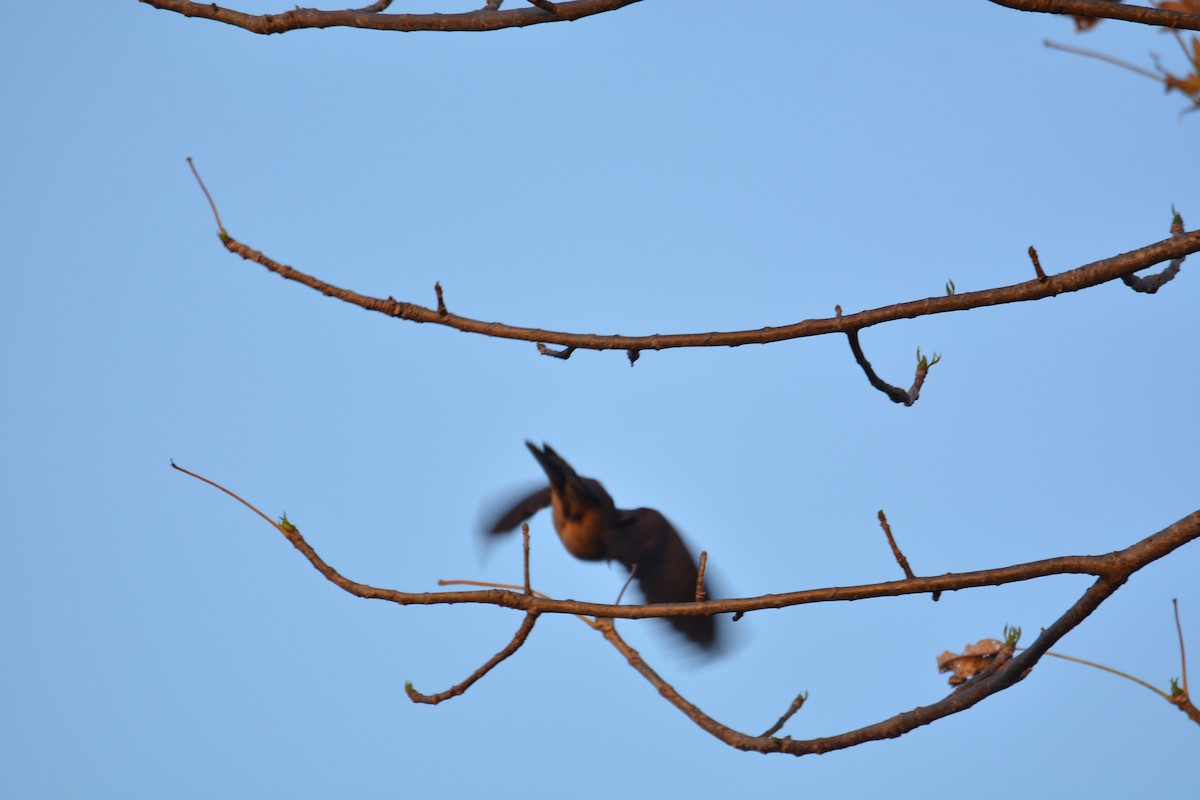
<point>1037,264</point>
<point>701,595</point>
<point>211,204</point>
<point>894,393</point>
<point>629,580</point>
<point>792,709</point>
<point>900,559</point>
<point>1182,650</point>
<point>1125,675</point>
<point>525,549</point>
<point>454,691</point>
<point>441,300</point>
<point>1079,51</point>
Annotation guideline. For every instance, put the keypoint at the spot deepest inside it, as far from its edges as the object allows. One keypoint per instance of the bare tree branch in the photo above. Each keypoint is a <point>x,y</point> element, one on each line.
<point>489,18</point>
<point>1001,674</point>
<point>1119,564</point>
<point>454,691</point>
<point>1084,277</point>
<point>894,393</point>
<point>1109,10</point>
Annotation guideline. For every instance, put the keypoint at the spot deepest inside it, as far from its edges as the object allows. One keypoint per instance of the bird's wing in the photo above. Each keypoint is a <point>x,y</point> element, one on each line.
<point>666,570</point>
<point>520,511</point>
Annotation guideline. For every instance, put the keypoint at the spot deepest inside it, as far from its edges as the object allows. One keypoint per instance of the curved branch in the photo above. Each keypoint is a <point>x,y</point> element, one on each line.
<point>1087,276</point>
<point>459,688</point>
<point>1117,565</point>
<point>1004,675</point>
<point>1113,570</point>
<point>894,393</point>
<point>488,18</point>
<point>1107,9</point>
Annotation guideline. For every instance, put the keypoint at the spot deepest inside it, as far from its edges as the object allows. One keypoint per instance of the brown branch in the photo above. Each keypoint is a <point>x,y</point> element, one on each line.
<point>701,595</point>
<point>1118,564</point>
<point>900,559</point>
<point>454,691</point>
<point>1084,277</point>
<point>1182,649</point>
<point>1037,264</point>
<point>488,18</point>
<point>796,705</point>
<point>1113,570</point>
<point>441,300</point>
<point>894,393</point>
<point>525,554</point>
<point>1000,675</point>
<point>1152,283</point>
<point>1100,9</point>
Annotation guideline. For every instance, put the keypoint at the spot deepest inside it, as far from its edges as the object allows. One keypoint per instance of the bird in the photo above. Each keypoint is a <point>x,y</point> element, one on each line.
<point>592,528</point>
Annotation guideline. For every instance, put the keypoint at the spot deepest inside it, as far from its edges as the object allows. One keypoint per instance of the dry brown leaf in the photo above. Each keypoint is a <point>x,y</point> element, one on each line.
<point>970,662</point>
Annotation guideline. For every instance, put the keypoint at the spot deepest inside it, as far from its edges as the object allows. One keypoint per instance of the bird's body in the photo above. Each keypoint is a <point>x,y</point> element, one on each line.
<point>592,528</point>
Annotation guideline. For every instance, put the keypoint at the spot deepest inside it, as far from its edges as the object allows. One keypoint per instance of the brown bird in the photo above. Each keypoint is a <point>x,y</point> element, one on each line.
<point>594,529</point>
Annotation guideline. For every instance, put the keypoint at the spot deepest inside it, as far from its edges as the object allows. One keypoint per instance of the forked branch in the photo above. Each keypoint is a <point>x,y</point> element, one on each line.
<point>1112,570</point>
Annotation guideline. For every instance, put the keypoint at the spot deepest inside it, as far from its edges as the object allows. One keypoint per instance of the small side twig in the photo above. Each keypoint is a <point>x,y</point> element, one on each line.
<point>1037,264</point>
<point>211,204</point>
<point>545,5</point>
<point>629,580</point>
<point>1116,672</point>
<point>701,595</point>
<point>1079,51</point>
<point>525,548</point>
<point>376,8</point>
<point>894,393</point>
<point>1152,283</point>
<point>564,354</point>
<point>900,559</point>
<point>441,300</point>
<point>1182,651</point>
<point>792,709</point>
<point>454,691</point>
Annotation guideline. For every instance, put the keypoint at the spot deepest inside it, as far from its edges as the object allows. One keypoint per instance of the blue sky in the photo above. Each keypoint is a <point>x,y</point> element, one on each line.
<point>669,167</point>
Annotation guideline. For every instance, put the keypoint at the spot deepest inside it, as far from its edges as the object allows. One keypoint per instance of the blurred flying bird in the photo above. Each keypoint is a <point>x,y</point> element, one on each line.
<point>594,529</point>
